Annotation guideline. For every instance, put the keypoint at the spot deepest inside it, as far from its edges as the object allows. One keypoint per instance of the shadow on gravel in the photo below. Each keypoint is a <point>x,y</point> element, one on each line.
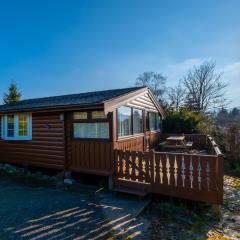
<point>34,209</point>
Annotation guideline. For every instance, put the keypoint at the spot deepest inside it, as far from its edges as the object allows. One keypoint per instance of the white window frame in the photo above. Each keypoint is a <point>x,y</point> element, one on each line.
<point>16,128</point>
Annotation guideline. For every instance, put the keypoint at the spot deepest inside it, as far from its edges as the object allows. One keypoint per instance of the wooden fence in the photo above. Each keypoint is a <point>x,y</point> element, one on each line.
<point>189,176</point>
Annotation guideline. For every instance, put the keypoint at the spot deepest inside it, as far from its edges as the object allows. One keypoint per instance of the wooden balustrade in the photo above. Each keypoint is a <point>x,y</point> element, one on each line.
<point>190,176</point>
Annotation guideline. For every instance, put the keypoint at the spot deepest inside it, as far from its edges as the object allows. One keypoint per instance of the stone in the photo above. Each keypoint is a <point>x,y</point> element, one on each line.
<point>60,175</point>
<point>69,181</point>
<point>67,174</point>
<point>9,168</point>
<point>45,177</point>
<point>21,170</point>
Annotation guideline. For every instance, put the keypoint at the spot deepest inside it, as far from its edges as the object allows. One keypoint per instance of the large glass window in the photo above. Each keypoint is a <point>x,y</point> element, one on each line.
<point>154,121</point>
<point>137,121</point>
<point>94,124</point>
<point>17,127</point>
<point>91,130</point>
<point>124,121</point>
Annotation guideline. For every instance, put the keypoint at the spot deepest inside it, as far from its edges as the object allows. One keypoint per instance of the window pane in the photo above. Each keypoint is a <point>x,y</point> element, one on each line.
<point>154,121</point>
<point>23,125</point>
<point>158,122</point>
<point>124,121</point>
<point>91,130</point>
<point>10,125</point>
<point>98,115</point>
<point>80,115</point>
<point>151,121</point>
<point>137,121</point>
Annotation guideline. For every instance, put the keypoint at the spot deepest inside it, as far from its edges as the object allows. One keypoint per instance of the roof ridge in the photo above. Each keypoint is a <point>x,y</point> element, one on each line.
<point>74,94</point>
<point>94,97</point>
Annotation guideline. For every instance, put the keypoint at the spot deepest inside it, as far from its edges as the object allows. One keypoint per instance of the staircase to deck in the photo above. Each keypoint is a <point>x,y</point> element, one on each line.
<point>131,187</point>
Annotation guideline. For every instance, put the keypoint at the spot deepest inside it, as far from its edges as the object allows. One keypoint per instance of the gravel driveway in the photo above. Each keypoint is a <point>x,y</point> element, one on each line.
<point>32,211</point>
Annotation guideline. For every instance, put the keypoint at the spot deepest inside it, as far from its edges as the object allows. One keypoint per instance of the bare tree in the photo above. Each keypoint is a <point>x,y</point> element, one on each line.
<point>204,88</point>
<point>176,96</point>
<point>155,81</point>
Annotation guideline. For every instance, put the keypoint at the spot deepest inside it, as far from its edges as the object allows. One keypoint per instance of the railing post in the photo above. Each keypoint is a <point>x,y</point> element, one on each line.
<point>152,164</point>
<point>220,173</point>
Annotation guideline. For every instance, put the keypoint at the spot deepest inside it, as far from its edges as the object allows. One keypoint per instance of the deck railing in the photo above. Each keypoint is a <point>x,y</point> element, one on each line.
<point>191,176</point>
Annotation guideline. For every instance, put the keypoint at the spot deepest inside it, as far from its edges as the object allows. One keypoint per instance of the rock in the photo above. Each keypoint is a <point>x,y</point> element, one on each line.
<point>60,175</point>
<point>21,170</point>
<point>38,175</point>
<point>69,181</point>
<point>68,174</point>
<point>45,177</point>
<point>9,168</point>
<point>53,178</point>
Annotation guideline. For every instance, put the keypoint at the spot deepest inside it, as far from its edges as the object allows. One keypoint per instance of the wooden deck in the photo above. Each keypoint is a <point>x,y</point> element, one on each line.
<point>191,176</point>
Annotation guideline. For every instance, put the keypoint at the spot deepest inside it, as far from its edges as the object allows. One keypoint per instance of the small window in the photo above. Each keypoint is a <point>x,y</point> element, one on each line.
<point>137,121</point>
<point>17,127</point>
<point>98,115</point>
<point>80,115</point>
<point>91,130</point>
<point>154,121</point>
<point>124,121</point>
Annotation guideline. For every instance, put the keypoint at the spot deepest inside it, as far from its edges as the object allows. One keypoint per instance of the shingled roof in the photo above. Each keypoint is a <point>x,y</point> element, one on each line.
<point>88,98</point>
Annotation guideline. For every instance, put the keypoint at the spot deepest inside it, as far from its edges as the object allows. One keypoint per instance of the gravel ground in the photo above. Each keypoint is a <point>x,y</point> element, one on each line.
<point>33,209</point>
<point>37,209</point>
<point>183,220</point>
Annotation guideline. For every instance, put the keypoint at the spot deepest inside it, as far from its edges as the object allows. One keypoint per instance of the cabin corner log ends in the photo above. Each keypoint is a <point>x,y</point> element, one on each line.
<point>189,176</point>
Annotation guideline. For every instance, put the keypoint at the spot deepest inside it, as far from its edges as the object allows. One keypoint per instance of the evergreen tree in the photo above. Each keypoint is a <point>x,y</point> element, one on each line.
<point>13,94</point>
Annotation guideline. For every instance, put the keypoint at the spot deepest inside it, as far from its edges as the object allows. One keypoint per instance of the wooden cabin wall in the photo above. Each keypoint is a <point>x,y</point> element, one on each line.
<point>89,155</point>
<point>46,149</point>
<point>143,102</point>
<point>138,142</point>
<point>135,143</point>
<point>154,139</point>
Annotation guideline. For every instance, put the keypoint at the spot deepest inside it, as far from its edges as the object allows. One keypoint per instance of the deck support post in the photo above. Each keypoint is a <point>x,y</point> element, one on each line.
<point>217,211</point>
<point>110,182</point>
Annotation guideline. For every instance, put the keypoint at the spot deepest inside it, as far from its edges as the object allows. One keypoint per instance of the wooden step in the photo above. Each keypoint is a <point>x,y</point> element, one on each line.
<point>130,191</point>
<point>131,187</point>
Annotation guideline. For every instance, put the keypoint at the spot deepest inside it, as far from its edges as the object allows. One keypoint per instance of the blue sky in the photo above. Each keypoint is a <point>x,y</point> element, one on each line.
<point>65,46</point>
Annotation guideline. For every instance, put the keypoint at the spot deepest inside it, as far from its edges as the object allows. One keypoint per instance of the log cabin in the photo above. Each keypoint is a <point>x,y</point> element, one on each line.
<point>78,132</point>
<point>112,133</point>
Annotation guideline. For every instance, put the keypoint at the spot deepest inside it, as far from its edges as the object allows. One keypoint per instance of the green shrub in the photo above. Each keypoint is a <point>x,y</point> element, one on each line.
<point>184,121</point>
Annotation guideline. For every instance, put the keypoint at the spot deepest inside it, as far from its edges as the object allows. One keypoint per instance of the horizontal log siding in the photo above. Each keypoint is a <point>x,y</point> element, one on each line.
<point>46,149</point>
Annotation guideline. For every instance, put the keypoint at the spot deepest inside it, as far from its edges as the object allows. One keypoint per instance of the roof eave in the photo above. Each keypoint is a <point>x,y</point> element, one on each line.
<point>114,103</point>
<point>111,104</point>
<point>54,108</point>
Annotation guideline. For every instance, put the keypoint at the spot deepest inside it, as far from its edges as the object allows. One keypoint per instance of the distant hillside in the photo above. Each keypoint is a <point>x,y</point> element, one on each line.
<point>227,117</point>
